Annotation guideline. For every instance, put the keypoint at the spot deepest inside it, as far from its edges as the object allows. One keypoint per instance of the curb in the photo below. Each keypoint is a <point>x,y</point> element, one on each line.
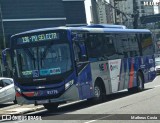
<point>20,110</point>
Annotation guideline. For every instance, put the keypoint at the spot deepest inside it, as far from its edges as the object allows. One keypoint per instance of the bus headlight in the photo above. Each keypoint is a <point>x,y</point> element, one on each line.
<point>69,84</point>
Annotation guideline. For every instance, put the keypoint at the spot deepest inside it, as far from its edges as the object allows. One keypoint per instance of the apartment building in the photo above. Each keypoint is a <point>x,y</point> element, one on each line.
<point>129,7</point>
<point>143,9</point>
<point>22,15</point>
<point>102,12</point>
<point>121,11</point>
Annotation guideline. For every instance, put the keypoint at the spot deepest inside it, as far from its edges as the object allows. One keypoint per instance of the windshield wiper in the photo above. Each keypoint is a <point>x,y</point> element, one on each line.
<point>28,52</point>
<point>44,54</point>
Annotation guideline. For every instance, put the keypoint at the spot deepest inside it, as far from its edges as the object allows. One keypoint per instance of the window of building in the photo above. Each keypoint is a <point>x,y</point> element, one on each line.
<point>142,2</point>
<point>142,11</point>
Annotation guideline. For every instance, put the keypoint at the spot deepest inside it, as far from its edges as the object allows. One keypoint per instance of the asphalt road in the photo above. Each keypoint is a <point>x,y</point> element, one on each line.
<point>124,107</point>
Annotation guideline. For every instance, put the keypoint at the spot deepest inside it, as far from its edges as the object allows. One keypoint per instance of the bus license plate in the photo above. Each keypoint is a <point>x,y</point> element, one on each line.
<point>42,101</point>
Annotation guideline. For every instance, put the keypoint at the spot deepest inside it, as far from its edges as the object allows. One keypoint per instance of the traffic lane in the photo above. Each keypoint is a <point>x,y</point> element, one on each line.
<point>87,108</point>
<point>73,106</point>
<point>147,108</point>
<point>67,108</point>
<point>116,103</point>
<point>138,99</point>
<point>148,104</point>
<point>122,105</point>
<point>155,82</point>
<point>90,111</point>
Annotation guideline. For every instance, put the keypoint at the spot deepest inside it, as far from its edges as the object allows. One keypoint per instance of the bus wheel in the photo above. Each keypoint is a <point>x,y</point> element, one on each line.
<point>140,82</point>
<point>98,92</point>
<point>51,106</point>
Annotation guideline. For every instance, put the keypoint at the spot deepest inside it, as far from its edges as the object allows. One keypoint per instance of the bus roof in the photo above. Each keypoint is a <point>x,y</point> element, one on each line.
<point>106,26</point>
<point>90,29</point>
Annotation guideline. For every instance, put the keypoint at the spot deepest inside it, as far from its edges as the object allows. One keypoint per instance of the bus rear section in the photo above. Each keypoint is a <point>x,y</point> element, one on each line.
<point>120,59</point>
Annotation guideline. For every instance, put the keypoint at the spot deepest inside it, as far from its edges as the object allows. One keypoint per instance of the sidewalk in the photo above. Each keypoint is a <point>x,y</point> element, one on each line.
<point>18,109</point>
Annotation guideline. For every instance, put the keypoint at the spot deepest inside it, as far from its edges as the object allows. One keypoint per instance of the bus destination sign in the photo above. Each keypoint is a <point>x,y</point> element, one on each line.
<point>38,38</point>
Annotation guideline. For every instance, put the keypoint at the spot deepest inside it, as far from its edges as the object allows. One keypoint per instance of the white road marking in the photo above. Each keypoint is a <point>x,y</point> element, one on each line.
<point>90,121</point>
<point>20,121</point>
<point>156,86</point>
<point>99,118</point>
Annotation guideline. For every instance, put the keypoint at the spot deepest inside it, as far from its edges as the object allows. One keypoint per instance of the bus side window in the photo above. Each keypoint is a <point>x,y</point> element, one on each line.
<point>127,46</point>
<point>133,45</point>
<point>122,45</point>
<point>147,45</point>
<point>108,46</point>
<point>80,51</point>
<point>76,52</point>
<point>93,46</point>
<point>101,47</point>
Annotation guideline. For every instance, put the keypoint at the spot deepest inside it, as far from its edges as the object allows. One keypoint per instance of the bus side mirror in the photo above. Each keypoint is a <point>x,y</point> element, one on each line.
<point>84,57</point>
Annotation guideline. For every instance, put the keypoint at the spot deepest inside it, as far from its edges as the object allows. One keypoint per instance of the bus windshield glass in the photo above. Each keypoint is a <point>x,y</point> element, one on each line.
<point>44,60</point>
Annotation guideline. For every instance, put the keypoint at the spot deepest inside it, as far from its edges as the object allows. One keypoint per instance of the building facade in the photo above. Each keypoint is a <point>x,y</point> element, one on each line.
<point>22,15</point>
<point>125,12</point>
<point>131,7</point>
<point>102,12</point>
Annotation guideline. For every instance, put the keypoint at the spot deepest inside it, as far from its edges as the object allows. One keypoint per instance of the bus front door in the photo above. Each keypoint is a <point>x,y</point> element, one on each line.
<point>83,70</point>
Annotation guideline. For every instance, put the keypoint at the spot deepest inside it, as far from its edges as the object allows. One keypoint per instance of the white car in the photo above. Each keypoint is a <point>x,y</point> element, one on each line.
<point>7,91</point>
<point>157,64</point>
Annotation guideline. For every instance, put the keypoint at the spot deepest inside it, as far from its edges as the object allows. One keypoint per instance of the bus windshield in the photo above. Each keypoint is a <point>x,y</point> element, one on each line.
<point>46,60</point>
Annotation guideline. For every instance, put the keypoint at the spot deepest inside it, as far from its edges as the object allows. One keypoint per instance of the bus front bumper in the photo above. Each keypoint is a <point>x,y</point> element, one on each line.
<point>71,94</point>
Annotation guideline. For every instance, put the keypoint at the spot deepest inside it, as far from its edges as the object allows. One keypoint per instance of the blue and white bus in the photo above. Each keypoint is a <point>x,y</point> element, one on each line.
<point>61,64</point>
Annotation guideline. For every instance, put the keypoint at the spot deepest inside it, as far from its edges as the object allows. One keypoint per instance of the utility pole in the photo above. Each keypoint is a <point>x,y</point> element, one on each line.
<point>94,11</point>
<point>4,41</point>
<point>135,14</point>
<point>3,33</point>
<point>115,12</point>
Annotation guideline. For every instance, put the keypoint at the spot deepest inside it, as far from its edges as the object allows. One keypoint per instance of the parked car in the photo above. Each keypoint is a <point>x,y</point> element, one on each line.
<point>157,64</point>
<point>7,91</point>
